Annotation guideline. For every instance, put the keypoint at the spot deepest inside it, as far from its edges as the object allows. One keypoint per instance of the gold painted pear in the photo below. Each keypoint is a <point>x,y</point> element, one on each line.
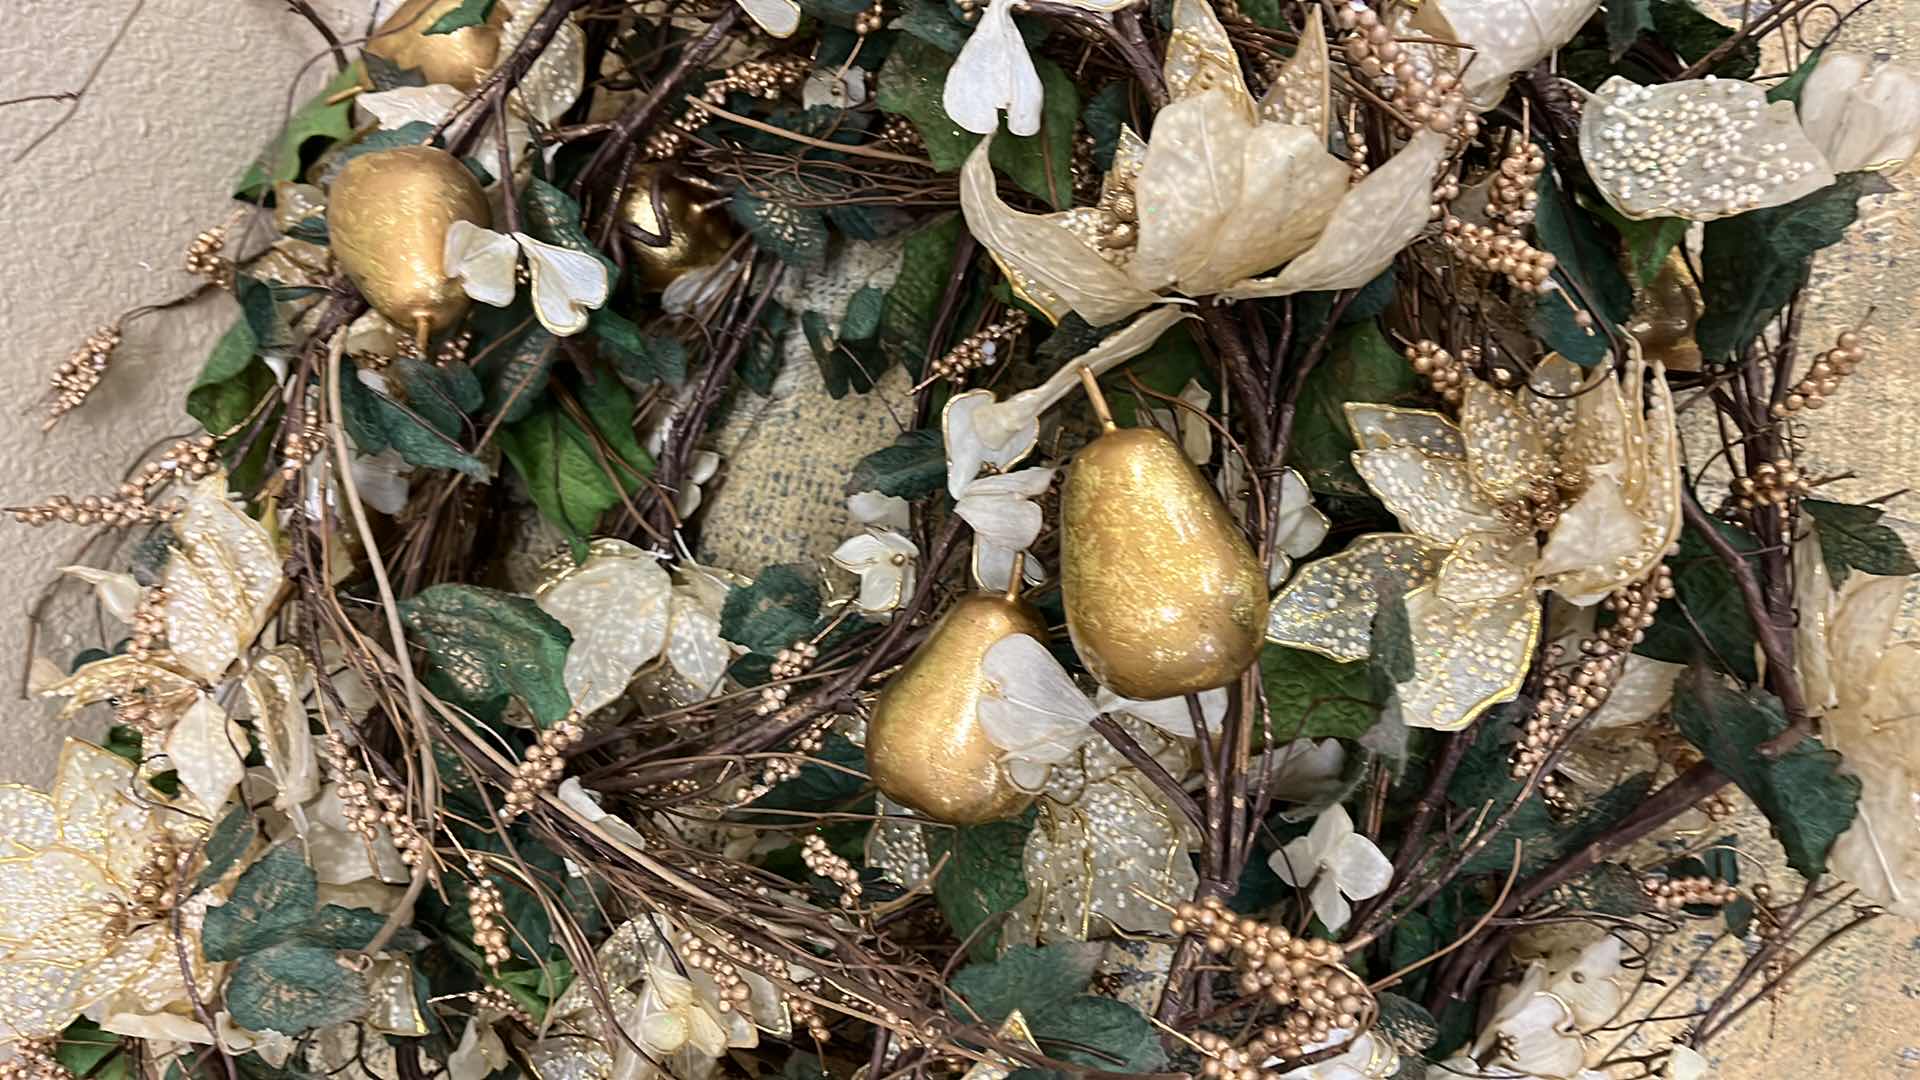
<point>696,237</point>
<point>1665,314</point>
<point>925,744</point>
<point>387,219</point>
<point>1163,593</point>
<point>460,59</point>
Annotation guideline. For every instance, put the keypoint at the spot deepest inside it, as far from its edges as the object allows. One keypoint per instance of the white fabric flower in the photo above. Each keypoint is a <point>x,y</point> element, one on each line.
<point>1306,769</point>
<point>1170,715</point>
<point>1861,120</point>
<point>1188,422</point>
<point>479,1053</point>
<point>1298,527</point>
<point>1031,710</point>
<point>880,511</point>
<point>992,73</point>
<point>777,17</point>
<point>118,593</point>
<point>700,469</point>
<point>1535,1035</point>
<point>382,479</point>
<point>1338,862</point>
<point>1684,1063</point>
<point>483,260</point>
<point>587,804</point>
<point>884,562</point>
<point>1005,521</point>
<point>567,284</point>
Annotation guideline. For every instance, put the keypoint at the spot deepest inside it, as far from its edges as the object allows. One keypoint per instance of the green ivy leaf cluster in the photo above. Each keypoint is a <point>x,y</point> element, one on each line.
<point>483,645</point>
<point>1853,538</point>
<point>1048,986</point>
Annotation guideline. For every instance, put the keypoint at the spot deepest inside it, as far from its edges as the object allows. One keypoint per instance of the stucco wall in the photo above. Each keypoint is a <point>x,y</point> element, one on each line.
<point>95,221</point>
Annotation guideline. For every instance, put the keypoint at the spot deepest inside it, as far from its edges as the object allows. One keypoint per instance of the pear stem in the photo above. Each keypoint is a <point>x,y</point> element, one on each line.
<point>1014,579</point>
<point>422,333</point>
<point>1095,398</point>
<point>348,94</point>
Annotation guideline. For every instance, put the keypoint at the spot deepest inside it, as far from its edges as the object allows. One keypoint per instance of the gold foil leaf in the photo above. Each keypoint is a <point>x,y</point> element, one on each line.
<point>1469,656</point>
<point>1329,605</point>
<point>220,582</point>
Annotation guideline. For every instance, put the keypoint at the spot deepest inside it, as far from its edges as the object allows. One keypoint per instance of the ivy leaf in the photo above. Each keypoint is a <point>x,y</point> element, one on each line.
<point>293,987</point>
<point>1788,89</point>
<point>516,376</point>
<point>865,310</point>
<point>1103,117</point>
<point>232,382</point>
<point>1026,978</point>
<point>1391,663</point>
<point>1363,366</point>
<point>1585,258</point>
<point>317,120</point>
<point>1706,597</point>
<point>1648,243</point>
<point>228,841</point>
<point>794,234</point>
<point>984,876</point>
<point>1312,696</point>
<point>417,133</point>
<point>1693,34</point>
<point>552,216</point>
<point>932,22</point>
<point>1751,264</point>
<point>1545,838</point>
<point>486,644</point>
<point>818,787</point>
<point>565,478</point>
<point>423,430</point>
<point>1803,793</point>
<point>337,927</point>
<point>914,466</point>
<point>1852,538</point>
<point>1625,20</point>
<point>1098,1032</point>
<point>641,359</point>
<point>911,84</point>
<point>273,899</point>
<point>778,609</point>
<point>469,13</point>
<point>760,364</point>
<point>1610,889</point>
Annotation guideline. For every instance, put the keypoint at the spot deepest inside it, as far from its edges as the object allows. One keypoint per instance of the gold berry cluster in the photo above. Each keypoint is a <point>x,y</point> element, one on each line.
<point>764,79</point>
<point>187,459</point>
<point>543,766</point>
<point>870,21</point>
<point>1775,483</point>
<point>370,804</point>
<point>206,257</point>
<point>1436,105</point>
<point>1446,374</point>
<point>33,1059</point>
<point>80,374</point>
<point>149,623</point>
<point>716,950</point>
<point>1672,894</point>
<point>789,663</point>
<point>1571,695</point>
<point>820,859</point>
<point>980,348</point>
<point>152,894</point>
<point>301,445</point>
<point>899,132</point>
<point>487,910</point>
<point>1303,977</point>
<point>1825,375</point>
<point>701,955</point>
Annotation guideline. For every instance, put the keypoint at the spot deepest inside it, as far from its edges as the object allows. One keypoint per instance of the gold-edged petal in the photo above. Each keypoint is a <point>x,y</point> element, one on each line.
<point>1329,605</point>
<point>1468,657</point>
<point>1189,186</point>
<point>1200,58</point>
<point>1505,36</point>
<point>55,905</point>
<point>1376,427</point>
<point>221,581</point>
<point>1506,451</point>
<point>1487,566</point>
<point>207,748</point>
<point>1302,93</point>
<point>1433,497</point>
<point>1701,149</point>
<point>1092,864</point>
<point>27,822</point>
<point>275,690</point>
<point>123,677</point>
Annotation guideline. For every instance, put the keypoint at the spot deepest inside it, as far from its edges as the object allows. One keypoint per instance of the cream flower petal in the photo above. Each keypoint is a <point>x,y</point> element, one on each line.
<point>1090,862</point>
<point>485,262</point>
<point>27,821</point>
<point>1359,867</point>
<point>1594,986</point>
<point>1299,527</point>
<point>275,688</point>
<point>1537,1034</point>
<point>993,566</point>
<point>1200,58</point>
<point>969,447</point>
<point>881,511</point>
<point>1032,710</point>
<point>567,284</point>
<point>403,105</point>
<point>583,803</point>
<point>1684,1063</point>
<point>207,747</point>
<point>1329,904</point>
<point>1170,715</point>
<point>381,479</point>
<point>777,17</point>
<point>1646,151</point>
<point>884,562</point>
<point>1506,451</point>
<point>1305,769</point>
<point>1377,427</point>
<point>615,605</point>
<point>1329,606</point>
<point>220,581</point>
<point>1051,267</point>
<point>119,593</point>
<point>695,648</point>
<point>994,72</point>
<point>1469,656</point>
<point>1434,497</point>
<point>1374,222</point>
<point>1000,508</point>
<point>1301,94</point>
<point>1860,120</point>
<point>479,1052</point>
<point>1506,36</point>
<point>550,87</point>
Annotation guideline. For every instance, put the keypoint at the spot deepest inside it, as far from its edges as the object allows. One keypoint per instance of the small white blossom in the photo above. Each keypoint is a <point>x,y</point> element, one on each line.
<point>1032,710</point>
<point>1861,120</point>
<point>567,284</point>
<point>483,260</point>
<point>884,562</point>
<point>1338,862</point>
<point>992,73</point>
<point>880,511</point>
<point>1170,715</point>
<point>1005,521</point>
<point>1298,527</point>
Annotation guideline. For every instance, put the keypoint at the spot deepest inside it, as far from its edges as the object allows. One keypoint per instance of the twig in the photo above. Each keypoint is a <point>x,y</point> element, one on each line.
<point>305,10</point>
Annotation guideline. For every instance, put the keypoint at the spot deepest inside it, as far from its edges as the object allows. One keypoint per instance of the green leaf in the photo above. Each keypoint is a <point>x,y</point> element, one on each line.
<point>443,396</point>
<point>1105,114</point>
<point>260,307</point>
<point>1706,598</point>
<point>1852,538</point>
<point>337,927</point>
<point>865,309</point>
<point>641,359</point>
<point>231,383</point>
<point>414,134</point>
<point>983,877</point>
<point>1788,89</point>
<point>764,354</point>
<point>1625,20</point>
<point>610,408</point>
<point>487,644</point>
<point>1026,978</point>
<point>778,609</point>
<point>1753,263</point>
<point>552,216</point>
<point>1803,793</point>
<point>424,429</point>
<point>914,466</point>
<point>1610,889</point>
<point>272,900</point>
<point>818,787</point>
<point>911,83</point>
<point>1312,696</point>
<point>293,987</point>
<point>1545,838</point>
<point>516,376</point>
<point>228,841</point>
<point>83,1046</point>
<point>1165,368</point>
<point>1586,259</point>
<point>1391,663</point>
<point>1648,243</point>
<point>1363,366</point>
<point>1693,34</point>
<point>1098,1032</point>
<point>932,22</point>
<point>315,120</point>
<point>565,479</point>
<point>469,13</point>
<point>794,234</point>
<point>913,302</point>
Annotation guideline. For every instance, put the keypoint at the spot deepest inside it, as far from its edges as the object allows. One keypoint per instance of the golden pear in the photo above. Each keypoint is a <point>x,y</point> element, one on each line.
<point>696,237</point>
<point>387,219</point>
<point>925,745</point>
<point>1664,316</point>
<point>1163,593</point>
<point>460,59</point>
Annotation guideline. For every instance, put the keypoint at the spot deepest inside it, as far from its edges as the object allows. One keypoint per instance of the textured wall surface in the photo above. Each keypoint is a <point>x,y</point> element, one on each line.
<point>94,221</point>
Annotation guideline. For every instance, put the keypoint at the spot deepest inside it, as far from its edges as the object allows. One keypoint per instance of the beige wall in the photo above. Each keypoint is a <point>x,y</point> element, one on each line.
<point>95,221</point>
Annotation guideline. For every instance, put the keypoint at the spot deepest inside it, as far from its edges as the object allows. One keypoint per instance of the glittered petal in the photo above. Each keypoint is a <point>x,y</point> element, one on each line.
<point>777,17</point>
<point>1032,710</point>
<point>94,801</point>
<point>1290,187</point>
<point>994,72</point>
<point>26,820</point>
<point>206,747</point>
<point>1360,867</point>
<point>615,605</point>
<point>550,87</point>
<point>695,648</point>
<point>1506,452</point>
<point>1301,93</point>
<point>1188,187</point>
<point>1468,657</point>
<point>1376,219</point>
<point>1595,531</point>
<point>1103,861</point>
<point>220,581</point>
<point>1050,266</point>
<point>1376,427</point>
<point>1487,566</point>
<point>1506,36</point>
<point>567,284</point>
<point>1861,121</point>
<point>1200,58</point>
<point>1433,497</point>
<point>1701,149</point>
<point>275,687</point>
<point>54,905</point>
<point>1329,606</point>
<point>485,262</point>
<point>124,677</point>
<point>39,998</point>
